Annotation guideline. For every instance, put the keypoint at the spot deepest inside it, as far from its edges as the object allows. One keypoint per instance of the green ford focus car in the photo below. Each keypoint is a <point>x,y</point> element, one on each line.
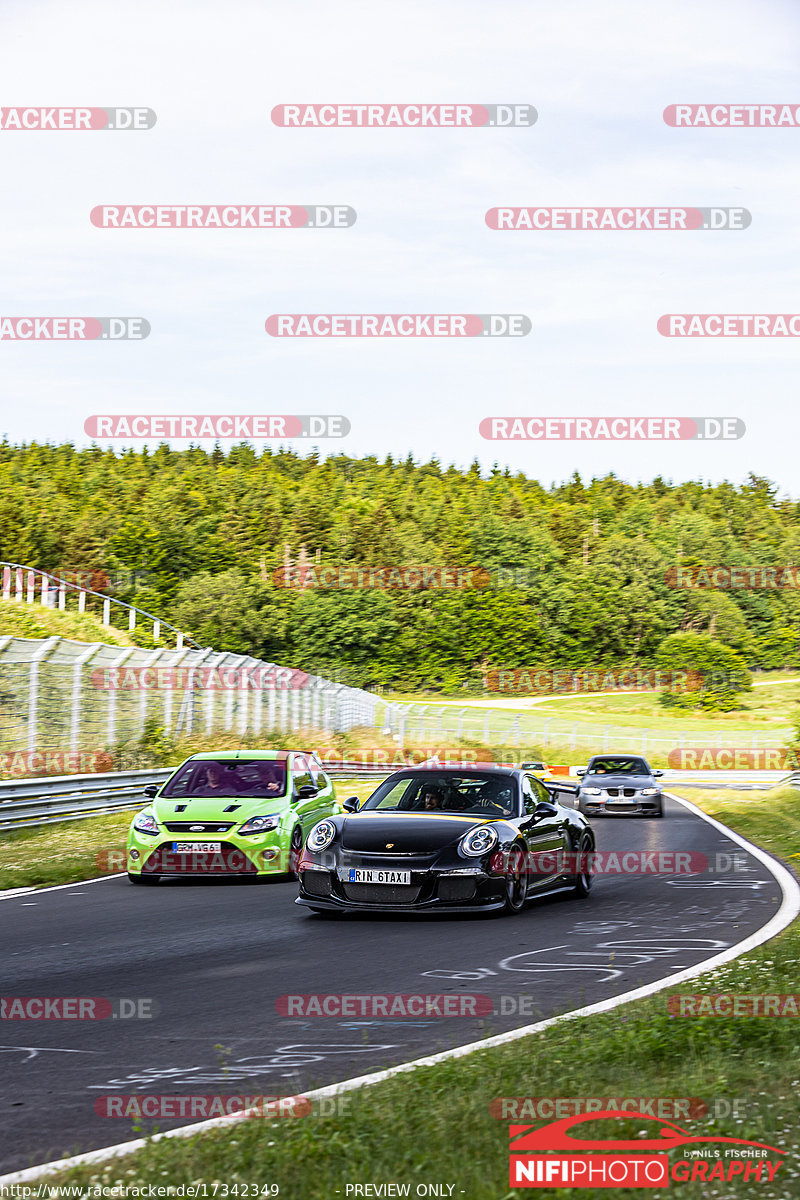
<point>242,812</point>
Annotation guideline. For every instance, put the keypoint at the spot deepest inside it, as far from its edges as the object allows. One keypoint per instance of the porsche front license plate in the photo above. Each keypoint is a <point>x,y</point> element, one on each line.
<point>196,847</point>
<point>360,875</point>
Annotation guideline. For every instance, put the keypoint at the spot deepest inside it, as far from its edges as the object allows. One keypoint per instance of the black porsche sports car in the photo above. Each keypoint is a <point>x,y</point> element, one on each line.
<point>620,783</point>
<point>446,840</point>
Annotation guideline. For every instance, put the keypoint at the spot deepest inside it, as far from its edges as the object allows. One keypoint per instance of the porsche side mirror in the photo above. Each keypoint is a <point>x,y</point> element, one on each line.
<point>351,804</point>
<point>151,790</point>
<point>543,809</point>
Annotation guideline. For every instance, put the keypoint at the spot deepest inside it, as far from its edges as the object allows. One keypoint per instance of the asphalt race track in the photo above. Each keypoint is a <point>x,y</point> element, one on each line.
<point>216,955</point>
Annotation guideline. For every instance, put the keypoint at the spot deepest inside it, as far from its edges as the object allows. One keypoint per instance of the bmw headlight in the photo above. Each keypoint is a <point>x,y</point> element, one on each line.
<point>145,822</point>
<point>321,835</point>
<point>478,841</point>
<point>260,824</point>
<point>591,791</point>
<point>650,791</point>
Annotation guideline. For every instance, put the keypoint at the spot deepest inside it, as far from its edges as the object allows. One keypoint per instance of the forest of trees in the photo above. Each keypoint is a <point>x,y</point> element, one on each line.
<point>577,570</point>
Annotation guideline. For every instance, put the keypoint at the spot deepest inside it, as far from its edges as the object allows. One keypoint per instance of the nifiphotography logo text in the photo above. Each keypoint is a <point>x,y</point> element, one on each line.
<point>633,1162</point>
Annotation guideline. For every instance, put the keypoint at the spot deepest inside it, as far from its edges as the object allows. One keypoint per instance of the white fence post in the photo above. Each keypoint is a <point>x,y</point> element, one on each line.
<point>111,719</point>
<point>33,691</point>
<point>154,657</point>
<point>75,702</point>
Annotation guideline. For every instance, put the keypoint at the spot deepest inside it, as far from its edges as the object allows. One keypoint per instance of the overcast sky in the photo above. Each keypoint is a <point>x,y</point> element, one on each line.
<point>599,75</point>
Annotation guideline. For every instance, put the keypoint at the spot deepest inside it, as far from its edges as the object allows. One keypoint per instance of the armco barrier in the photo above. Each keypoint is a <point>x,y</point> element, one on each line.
<point>29,802</point>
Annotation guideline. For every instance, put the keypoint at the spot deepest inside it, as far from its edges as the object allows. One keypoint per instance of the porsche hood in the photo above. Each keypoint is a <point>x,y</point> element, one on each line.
<point>404,833</point>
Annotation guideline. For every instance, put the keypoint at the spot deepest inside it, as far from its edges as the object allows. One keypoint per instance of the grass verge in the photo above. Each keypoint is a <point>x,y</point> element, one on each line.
<point>76,850</point>
<point>434,1126</point>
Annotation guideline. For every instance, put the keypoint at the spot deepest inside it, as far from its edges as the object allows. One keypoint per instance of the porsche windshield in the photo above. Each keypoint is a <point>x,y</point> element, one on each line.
<point>481,794</point>
<point>224,777</point>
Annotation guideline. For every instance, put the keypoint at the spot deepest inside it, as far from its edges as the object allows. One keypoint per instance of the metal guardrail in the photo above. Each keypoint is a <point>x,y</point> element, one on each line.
<point>28,802</point>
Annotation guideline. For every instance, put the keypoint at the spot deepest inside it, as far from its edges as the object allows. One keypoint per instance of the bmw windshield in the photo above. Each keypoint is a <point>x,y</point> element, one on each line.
<point>618,766</point>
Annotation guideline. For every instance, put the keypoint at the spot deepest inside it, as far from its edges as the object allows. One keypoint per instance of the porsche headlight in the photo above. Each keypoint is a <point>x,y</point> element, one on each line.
<point>321,835</point>
<point>591,791</point>
<point>261,824</point>
<point>145,822</point>
<point>478,841</point>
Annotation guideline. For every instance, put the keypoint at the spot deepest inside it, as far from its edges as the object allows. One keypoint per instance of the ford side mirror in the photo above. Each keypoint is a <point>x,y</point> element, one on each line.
<point>351,804</point>
<point>306,792</point>
<point>151,790</point>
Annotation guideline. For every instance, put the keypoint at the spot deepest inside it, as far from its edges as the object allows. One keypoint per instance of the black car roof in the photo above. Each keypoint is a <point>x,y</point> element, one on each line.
<point>467,769</point>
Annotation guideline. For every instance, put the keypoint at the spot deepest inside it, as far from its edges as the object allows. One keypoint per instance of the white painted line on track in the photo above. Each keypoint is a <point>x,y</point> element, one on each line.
<point>57,887</point>
<point>788,910</point>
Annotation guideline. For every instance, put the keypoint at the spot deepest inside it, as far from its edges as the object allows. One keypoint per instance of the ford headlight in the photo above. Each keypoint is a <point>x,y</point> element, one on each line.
<point>145,822</point>
<point>478,841</point>
<point>591,791</point>
<point>321,835</point>
<point>260,824</point>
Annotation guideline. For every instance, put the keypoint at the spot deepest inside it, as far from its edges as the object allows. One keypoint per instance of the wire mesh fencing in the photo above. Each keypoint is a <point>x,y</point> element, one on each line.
<point>58,695</point>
